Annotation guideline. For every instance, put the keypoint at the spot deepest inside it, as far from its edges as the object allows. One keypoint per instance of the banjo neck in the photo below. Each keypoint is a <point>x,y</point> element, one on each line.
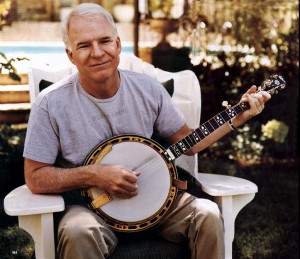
<point>182,146</point>
<point>272,85</point>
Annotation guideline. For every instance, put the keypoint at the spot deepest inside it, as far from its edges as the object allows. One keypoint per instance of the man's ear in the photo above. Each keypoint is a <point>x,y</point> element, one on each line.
<point>119,45</point>
<point>70,55</point>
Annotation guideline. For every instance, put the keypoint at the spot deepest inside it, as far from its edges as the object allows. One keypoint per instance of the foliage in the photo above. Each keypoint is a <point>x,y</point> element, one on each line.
<point>252,142</point>
<point>247,145</point>
<point>11,150</point>
<point>5,6</point>
<point>130,2</point>
<point>7,64</point>
<point>161,9</point>
<point>15,243</point>
<point>11,142</point>
<point>224,75</point>
<point>5,12</point>
<point>275,130</point>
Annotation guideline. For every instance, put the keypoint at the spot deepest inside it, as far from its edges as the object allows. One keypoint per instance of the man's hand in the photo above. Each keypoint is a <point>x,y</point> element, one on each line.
<point>256,101</point>
<point>117,180</point>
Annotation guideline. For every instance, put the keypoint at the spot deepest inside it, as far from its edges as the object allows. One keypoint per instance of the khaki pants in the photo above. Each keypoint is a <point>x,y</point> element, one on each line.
<point>83,234</point>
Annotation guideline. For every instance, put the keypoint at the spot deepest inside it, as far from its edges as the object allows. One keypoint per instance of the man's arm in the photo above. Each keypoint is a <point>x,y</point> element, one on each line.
<point>46,178</point>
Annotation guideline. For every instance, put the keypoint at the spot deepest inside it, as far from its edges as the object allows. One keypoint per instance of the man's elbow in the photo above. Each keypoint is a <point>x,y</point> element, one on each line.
<point>31,186</point>
<point>31,182</point>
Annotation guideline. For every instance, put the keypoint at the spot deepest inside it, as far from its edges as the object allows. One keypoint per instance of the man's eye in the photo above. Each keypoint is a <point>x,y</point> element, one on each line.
<point>106,41</point>
<point>82,46</point>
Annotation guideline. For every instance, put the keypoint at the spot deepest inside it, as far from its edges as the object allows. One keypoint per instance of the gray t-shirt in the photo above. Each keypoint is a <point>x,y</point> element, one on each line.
<point>66,123</point>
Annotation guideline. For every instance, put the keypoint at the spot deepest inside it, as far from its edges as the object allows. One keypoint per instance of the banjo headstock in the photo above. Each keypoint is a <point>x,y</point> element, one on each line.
<point>273,84</point>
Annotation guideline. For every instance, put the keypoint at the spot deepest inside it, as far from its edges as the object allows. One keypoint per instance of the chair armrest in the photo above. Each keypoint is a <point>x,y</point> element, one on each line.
<point>224,185</point>
<point>231,194</point>
<point>21,201</point>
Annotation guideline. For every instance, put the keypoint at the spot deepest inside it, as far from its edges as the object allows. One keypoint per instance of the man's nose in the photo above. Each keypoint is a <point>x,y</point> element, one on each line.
<point>97,50</point>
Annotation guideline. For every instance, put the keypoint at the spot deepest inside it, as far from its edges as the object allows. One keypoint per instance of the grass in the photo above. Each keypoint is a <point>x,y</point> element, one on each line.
<point>266,228</point>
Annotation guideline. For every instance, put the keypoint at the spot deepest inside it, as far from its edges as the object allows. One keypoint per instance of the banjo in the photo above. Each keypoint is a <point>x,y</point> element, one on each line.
<point>159,179</point>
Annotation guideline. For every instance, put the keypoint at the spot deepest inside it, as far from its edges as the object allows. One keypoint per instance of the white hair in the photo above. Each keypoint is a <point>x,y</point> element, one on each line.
<point>82,10</point>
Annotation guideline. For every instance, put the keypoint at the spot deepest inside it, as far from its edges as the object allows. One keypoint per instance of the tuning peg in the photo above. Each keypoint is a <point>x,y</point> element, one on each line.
<point>225,104</point>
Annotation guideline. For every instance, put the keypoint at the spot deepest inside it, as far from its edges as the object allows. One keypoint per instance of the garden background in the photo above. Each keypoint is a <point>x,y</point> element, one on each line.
<point>264,151</point>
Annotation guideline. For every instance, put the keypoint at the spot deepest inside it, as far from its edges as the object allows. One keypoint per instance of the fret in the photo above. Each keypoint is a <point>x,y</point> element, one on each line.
<point>200,133</point>
<point>191,140</point>
<point>219,120</point>
<point>204,130</point>
<point>231,112</point>
<point>183,147</point>
<point>213,122</point>
<point>186,143</point>
<point>195,136</point>
<point>208,126</point>
<point>225,116</point>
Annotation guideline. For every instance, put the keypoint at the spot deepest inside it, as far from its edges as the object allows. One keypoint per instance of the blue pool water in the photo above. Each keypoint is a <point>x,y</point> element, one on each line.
<point>42,49</point>
<point>31,49</point>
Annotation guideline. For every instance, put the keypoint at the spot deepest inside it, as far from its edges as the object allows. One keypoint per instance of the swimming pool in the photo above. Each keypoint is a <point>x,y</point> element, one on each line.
<point>42,49</point>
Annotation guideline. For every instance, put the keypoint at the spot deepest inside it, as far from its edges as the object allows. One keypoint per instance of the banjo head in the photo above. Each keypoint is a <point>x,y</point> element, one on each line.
<point>155,191</point>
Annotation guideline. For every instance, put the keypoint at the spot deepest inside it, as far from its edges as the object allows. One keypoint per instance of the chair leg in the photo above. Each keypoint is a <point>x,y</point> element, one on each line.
<point>40,227</point>
<point>230,207</point>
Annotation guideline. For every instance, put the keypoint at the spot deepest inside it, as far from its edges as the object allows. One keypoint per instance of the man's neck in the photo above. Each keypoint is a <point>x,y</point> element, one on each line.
<point>101,89</point>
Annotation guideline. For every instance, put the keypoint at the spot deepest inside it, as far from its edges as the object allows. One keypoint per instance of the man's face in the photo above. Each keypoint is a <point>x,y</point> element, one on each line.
<point>93,48</point>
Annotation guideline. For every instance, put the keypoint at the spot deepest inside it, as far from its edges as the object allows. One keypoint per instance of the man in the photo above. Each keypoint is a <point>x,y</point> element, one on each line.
<point>98,102</point>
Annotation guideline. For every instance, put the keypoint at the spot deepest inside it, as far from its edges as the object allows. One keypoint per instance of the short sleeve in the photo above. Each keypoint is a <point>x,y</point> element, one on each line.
<point>42,142</point>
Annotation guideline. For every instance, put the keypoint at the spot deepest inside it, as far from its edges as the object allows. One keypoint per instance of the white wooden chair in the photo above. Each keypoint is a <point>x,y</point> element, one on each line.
<point>35,212</point>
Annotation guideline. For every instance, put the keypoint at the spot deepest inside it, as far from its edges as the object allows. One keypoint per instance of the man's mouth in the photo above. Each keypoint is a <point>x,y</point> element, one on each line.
<point>99,64</point>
